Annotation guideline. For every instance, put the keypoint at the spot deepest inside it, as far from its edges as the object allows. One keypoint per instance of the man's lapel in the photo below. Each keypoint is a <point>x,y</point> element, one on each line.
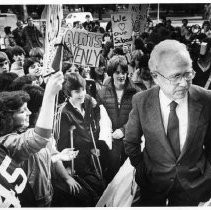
<point>194,111</point>
<point>157,121</point>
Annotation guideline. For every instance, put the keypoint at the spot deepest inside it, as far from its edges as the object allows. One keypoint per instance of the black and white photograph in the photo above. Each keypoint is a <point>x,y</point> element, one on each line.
<point>105,104</point>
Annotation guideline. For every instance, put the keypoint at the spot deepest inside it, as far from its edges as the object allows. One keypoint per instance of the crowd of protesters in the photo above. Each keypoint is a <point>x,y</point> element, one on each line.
<point>27,102</point>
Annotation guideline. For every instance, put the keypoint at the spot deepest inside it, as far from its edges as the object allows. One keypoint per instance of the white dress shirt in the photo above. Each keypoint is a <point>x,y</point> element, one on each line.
<point>182,114</point>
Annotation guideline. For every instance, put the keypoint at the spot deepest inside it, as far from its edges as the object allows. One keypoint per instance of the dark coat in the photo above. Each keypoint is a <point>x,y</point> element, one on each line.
<point>17,33</point>
<point>30,38</point>
<point>107,96</point>
<point>119,115</point>
<point>157,166</point>
<point>81,136</point>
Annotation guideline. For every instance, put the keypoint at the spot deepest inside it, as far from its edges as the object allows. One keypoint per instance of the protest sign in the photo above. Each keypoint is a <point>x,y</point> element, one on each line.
<point>122,28</point>
<point>139,16</point>
<point>53,25</point>
<point>86,46</point>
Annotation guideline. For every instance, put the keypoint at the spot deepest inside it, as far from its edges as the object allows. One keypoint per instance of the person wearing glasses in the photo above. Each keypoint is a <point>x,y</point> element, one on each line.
<point>173,168</point>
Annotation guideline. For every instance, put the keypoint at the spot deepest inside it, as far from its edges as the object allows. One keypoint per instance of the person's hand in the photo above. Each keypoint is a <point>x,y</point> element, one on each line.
<point>68,154</point>
<point>95,152</point>
<point>54,84</point>
<point>117,134</point>
<point>73,185</point>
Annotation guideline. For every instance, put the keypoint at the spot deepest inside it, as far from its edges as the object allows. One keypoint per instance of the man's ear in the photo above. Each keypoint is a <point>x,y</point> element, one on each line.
<point>154,77</point>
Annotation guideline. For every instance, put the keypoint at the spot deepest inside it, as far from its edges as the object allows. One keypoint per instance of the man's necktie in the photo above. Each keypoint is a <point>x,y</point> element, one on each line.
<point>173,129</point>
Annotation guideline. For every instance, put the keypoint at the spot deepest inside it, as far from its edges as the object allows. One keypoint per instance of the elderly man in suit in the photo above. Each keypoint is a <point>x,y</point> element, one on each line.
<point>175,118</point>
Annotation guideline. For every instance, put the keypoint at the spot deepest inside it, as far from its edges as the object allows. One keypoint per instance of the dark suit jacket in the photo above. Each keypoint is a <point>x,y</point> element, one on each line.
<point>157,166</point>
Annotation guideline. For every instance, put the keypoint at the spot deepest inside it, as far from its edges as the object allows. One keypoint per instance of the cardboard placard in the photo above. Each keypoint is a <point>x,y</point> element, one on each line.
<point>53,26</point>
<point>139,16</point>
<point>86,46</point>
<point>122,28</point>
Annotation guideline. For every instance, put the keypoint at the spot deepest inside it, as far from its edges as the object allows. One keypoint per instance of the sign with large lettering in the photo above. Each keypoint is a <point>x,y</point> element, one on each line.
<point>122,28</point>
<point>139,16</point>
<point>86,46</point>
<point>53,25</point>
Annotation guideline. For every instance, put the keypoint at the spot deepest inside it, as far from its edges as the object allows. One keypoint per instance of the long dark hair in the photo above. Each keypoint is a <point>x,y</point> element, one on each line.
<point>10,103</point>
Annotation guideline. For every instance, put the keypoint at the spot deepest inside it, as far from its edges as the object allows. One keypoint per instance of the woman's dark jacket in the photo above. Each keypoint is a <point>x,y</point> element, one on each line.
<point>107,96</point>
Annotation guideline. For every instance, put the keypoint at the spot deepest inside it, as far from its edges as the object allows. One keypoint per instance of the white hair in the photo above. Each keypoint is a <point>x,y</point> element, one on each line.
<point>167,47</point>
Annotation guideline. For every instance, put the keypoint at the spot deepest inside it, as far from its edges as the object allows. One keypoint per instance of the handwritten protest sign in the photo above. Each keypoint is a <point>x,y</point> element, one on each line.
<point>139,16</point>
<point>86,46</point>
<point>53,25</point>
<point>122,28</point>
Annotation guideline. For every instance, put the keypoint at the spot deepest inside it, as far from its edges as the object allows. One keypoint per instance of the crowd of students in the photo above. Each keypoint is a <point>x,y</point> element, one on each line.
<point>27,102</point>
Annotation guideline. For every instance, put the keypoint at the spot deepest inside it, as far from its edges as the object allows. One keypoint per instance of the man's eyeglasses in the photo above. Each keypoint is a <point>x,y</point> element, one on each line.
<point>175,79</point>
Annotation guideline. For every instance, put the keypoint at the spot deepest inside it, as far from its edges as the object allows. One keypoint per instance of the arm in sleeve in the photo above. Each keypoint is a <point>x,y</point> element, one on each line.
<point>133,133</point>
<point>22,146</point>
<point>52,147</point>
